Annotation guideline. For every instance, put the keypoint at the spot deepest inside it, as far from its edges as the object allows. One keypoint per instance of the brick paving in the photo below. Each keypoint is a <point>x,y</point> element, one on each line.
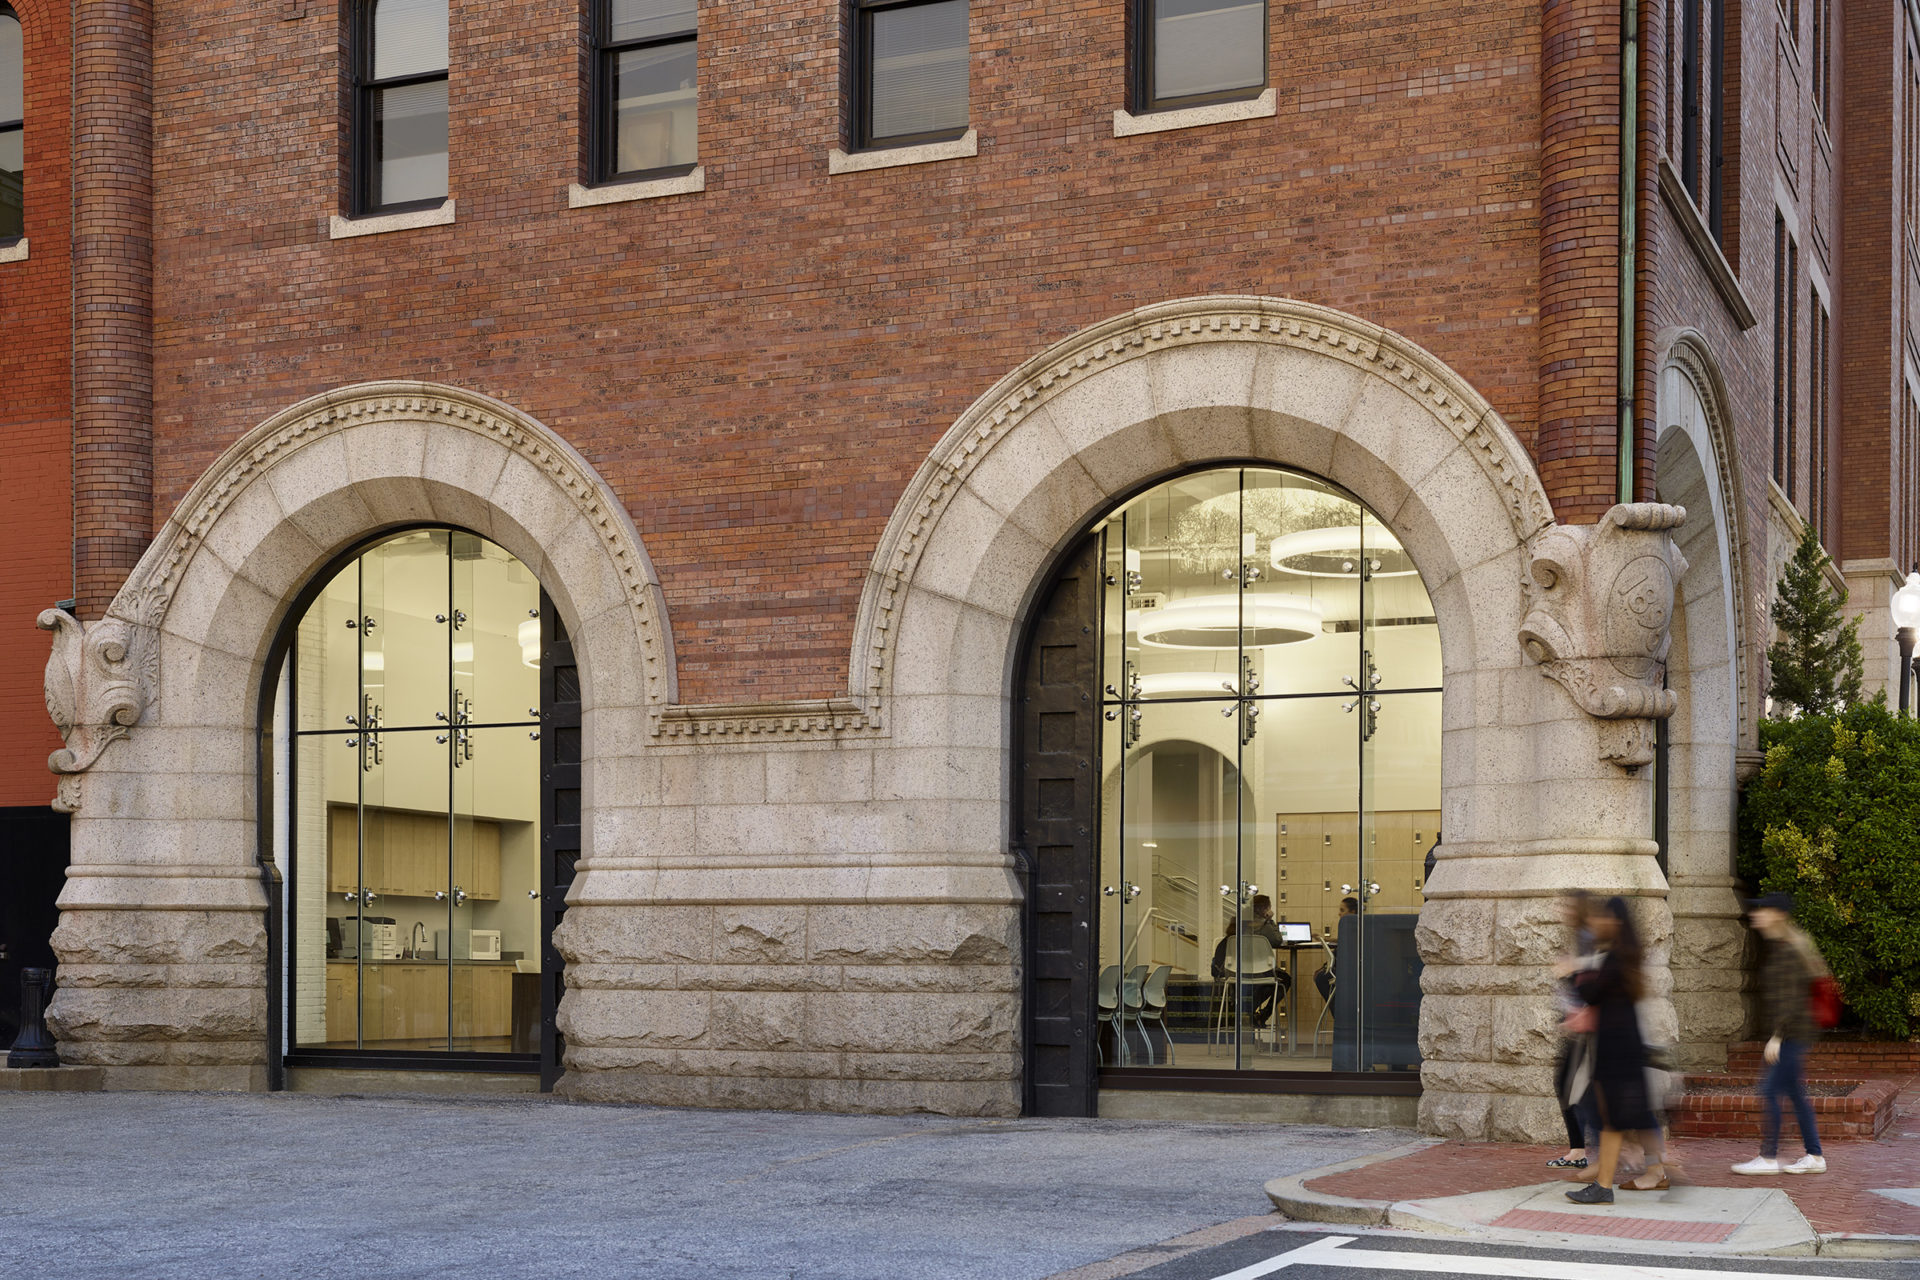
<point>1840,1200</point>
<point>1621,1228</point>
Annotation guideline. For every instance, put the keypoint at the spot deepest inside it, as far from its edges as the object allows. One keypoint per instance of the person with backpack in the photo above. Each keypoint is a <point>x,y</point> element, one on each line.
<point>1788,974</point>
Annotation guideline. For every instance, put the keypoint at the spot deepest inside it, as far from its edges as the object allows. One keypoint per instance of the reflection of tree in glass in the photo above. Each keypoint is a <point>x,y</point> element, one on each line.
<point>1208,536</point>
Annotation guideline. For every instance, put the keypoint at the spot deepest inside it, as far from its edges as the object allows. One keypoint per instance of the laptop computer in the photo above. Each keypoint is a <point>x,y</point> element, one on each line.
<point>1296,933</point>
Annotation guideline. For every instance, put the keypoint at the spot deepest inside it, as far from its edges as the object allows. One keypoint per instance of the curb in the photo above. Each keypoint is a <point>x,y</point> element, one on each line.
<point>1853,1244</point>
<point>1293,1200</point>
<point>1291,1197</point>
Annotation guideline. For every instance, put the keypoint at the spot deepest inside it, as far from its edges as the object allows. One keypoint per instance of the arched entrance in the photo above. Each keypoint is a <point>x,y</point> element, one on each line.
<point>1260,680</point>
<point>173,846</point>
<point>1534,794</point>
<point>1708,669</point>
<point>407,750</point>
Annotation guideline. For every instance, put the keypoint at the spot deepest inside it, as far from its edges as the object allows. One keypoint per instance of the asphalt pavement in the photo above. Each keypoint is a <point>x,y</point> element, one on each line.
<point>131,1186</point>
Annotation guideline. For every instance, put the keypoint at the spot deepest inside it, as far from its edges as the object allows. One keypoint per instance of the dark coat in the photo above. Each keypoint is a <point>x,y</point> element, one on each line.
<point>1785,980</point>
<point>1619,1054</point>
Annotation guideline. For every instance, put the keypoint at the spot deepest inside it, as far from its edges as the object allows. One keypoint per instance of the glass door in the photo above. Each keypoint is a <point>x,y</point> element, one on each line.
<point>1271,758</point>
<point>414,907</point>
<point>404,789</point>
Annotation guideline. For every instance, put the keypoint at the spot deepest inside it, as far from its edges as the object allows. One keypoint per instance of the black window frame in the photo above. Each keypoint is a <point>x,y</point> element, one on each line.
<point>604,134</point>
<point>19,126</point>
<point>365,89</point>
<point>863,137</point>
<point>1143,100</point>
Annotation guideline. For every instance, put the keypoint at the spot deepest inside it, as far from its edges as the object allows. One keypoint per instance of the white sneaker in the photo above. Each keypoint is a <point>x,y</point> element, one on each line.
<point>1759,1164</point>
<point>1807,1164</point>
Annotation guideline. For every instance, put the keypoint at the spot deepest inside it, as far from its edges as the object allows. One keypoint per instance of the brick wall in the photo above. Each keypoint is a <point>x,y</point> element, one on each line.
<point>1869,362</point>
<point>34,482</point>
<point>758,369</point>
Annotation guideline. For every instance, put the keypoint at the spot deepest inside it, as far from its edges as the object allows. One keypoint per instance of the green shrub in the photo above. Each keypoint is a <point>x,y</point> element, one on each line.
<point>1833,818</point>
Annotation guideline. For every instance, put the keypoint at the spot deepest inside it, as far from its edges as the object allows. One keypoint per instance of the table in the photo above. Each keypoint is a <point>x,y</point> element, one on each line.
<point>1293,950</point>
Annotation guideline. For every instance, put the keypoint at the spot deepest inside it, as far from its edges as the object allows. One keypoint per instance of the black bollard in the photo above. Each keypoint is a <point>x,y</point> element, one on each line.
<point>33,1047</point>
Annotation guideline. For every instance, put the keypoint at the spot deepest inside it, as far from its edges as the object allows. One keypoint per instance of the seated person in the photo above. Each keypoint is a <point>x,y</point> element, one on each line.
<point>1220,952</point>
<point>1258,922</point>
<point>1323,976</point>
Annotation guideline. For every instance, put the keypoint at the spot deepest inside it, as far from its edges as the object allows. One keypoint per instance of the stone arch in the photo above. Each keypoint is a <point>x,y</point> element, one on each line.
<point>1530,804</point>
<point>1709,667</point>
<point>164,691</point>
<point>1173,387</point>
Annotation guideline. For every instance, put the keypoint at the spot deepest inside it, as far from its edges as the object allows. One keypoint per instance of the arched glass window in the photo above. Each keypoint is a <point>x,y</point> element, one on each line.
<point>13,156</point>
<point>400,104</point>
<point>409,717</point>
<point>1264,664</point>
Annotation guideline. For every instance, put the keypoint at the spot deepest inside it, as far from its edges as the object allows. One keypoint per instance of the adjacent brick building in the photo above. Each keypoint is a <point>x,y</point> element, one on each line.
<point>800,436</point>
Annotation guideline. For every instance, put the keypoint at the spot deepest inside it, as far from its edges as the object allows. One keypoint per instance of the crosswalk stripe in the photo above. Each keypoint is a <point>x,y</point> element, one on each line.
<point>1329,1252</point>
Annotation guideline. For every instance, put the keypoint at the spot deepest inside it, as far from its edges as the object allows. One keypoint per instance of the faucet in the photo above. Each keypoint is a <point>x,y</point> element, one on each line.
<point>418,937</point>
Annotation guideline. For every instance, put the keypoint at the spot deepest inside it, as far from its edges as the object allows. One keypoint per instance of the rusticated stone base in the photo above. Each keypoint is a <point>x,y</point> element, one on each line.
<point>1489,1024</point>
<point>1710,973</point>
<point>163,999</point>
<point>817,1006</point>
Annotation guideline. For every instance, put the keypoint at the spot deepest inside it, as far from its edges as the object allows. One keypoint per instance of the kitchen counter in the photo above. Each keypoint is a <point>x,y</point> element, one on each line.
<point>477,964</point>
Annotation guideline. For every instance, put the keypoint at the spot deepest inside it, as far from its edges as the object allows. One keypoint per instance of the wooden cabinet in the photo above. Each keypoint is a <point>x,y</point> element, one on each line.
<point>407,1000</point>
<point>406,854</point>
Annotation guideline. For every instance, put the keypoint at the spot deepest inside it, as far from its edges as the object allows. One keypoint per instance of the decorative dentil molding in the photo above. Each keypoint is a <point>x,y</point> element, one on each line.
<point>101,678</point>
<point>796,719</point>
<point>1279,322</point>
<point>333,412</point>
<point>104,675</point>
<point>1599,619</point>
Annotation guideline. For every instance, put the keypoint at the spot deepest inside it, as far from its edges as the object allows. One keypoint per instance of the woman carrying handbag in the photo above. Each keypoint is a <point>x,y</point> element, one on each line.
<point>1611,990</point>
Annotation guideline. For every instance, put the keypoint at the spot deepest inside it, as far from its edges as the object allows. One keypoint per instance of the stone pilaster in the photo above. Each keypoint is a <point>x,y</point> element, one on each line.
<point>1577,727</point>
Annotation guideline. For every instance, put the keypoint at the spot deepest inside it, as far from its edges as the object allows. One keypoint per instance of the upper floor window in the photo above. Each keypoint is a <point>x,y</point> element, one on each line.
<point>1197,51</point>
<point>1697,89</point>
<point>910,77</point>
<point>400,105</point>
<point>13,155</point>
<point>1786,390</point>
<point>645,98</point>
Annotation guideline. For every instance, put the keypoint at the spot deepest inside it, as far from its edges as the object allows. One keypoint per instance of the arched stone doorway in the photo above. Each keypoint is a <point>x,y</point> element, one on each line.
<point>166,696</point>
<point>1710,672</point>
<point>1537,795</point>
<point>1266,672</point>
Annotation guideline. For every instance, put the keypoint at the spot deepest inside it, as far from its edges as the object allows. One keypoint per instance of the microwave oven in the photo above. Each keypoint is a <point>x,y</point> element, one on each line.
<point>467,944</point>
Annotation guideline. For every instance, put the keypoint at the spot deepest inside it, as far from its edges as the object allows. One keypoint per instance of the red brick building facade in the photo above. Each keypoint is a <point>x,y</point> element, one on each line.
<point>758,358</point>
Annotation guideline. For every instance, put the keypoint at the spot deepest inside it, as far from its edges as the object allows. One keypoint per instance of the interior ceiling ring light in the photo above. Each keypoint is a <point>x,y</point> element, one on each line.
<point>1230,621</point>
<point>1163,684</point>
<point>1334,552</point>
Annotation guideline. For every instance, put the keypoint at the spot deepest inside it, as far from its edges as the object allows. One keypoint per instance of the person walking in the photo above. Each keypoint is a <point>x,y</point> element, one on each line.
<point>1573,1068</point>
<point>1611,989</point>
<point>1787,973</point>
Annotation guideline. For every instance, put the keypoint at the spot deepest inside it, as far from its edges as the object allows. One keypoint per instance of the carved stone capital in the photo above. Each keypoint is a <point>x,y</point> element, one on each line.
<point>1599,619</point>
<point>101,677</point>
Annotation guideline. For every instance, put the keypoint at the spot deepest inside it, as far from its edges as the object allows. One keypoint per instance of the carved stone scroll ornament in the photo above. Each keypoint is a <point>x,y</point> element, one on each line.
<point>1599,620</point>
<point>101,676</point>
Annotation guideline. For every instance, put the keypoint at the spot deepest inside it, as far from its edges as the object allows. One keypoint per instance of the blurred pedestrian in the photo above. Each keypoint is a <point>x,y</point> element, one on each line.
<point>1787,973</point>
<point>1618,1090</point>
<point>1573,1070</point>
